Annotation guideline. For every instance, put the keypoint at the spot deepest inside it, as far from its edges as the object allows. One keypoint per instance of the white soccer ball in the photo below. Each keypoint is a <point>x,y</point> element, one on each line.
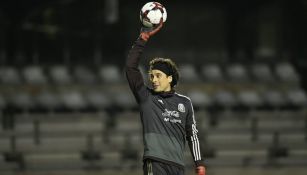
<point>151,13</point>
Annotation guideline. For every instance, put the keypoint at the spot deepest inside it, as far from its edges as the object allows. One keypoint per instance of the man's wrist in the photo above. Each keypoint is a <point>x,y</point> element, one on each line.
<point>199,163</point>
<point>140,41</point>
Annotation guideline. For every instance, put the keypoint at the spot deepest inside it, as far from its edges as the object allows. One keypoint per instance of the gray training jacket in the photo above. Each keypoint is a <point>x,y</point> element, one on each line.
<point>167,118</point>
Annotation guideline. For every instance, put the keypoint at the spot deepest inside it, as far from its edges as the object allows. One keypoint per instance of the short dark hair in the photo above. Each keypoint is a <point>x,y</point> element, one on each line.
<point>173,69</point>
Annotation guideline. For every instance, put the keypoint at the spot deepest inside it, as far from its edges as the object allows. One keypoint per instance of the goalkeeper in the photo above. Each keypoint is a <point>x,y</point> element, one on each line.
<point>167,117</point>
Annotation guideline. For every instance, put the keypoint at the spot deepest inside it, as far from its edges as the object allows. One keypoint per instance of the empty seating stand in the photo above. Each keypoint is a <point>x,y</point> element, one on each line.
<point>81,117</point>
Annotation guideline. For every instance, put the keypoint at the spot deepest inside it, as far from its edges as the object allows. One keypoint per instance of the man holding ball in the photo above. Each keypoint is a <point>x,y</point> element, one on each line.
<point>167,117</point>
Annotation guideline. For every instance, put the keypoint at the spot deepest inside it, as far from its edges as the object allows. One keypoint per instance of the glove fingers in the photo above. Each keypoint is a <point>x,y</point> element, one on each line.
<point>144,36</point>
<point>157,28</point>
<point>147,32</point>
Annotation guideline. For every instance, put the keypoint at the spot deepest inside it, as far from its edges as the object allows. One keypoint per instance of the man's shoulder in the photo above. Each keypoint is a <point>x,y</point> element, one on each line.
<point>183,97</point>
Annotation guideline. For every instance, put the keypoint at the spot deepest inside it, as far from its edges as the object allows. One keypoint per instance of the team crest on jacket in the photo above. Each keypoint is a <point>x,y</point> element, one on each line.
<point>181,107</point>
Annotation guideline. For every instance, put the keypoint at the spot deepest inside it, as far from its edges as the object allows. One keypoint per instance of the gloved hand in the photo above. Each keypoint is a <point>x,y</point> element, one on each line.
<point>201,170</point>
<point>146,33</point>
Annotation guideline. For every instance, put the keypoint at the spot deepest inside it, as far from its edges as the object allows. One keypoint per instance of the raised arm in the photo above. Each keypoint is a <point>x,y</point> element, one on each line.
<point>133,74</point>
<point>132,71</point>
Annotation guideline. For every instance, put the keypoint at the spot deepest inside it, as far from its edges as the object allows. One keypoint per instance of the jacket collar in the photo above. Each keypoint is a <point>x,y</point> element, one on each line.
<point>165,94</point>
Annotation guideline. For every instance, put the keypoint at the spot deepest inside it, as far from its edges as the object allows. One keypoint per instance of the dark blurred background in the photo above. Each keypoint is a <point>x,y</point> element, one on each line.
<point>66,107</point>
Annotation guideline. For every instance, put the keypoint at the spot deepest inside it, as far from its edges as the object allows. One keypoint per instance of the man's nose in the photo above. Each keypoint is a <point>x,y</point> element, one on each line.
<point>154,79</point>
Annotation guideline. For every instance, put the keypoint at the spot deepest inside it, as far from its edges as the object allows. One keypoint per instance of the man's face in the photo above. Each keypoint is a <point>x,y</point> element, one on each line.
<point>160,81</point>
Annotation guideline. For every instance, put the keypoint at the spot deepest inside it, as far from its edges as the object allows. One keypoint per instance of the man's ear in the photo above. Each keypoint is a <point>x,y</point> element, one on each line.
<point>170,79</point>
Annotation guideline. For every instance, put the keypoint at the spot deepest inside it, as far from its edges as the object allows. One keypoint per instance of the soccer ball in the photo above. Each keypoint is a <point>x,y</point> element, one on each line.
<point>151,13</point>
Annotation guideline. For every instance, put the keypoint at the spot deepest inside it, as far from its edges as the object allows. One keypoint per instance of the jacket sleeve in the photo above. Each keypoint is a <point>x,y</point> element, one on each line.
<point>133,74</point>
<point>192,137</point>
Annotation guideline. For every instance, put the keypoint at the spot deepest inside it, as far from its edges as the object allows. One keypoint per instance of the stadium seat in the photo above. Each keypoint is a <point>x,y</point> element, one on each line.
<point>73,100</point>
<point>188,73</point>
<point>110,74</point>
<point>124,100</point>
<point>273,99</point>
<point>98,100</point>
<point>34,75</point>
<point>10,76</point>
<point>212,73</point>
<point>249,99</point>
<point>22,100</point>
<point>48,100</point>
<point>60,75</point>
<point>262,72</point>
<point>199,99</point>
<point>286,73</point>
<point>224,99</point>
<point>237,73</point>
<point>297,98</point>
<point>84,75</point>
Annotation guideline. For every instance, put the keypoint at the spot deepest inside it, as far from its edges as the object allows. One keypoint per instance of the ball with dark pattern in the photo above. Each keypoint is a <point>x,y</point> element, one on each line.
<point>151,14</point>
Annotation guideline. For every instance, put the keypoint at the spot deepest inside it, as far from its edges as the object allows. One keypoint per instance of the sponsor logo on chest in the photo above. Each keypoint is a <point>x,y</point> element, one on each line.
<point>173,116</point>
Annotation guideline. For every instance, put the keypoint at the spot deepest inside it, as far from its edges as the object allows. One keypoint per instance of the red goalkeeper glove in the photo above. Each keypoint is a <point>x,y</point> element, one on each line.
<point>201,170</point>
<point>146,33</point>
